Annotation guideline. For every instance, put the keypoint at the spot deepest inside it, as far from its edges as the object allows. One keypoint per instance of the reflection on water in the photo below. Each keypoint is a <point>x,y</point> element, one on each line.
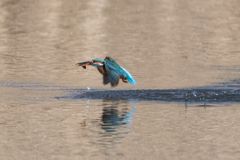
<point>113,116</point>
<point>68,127</point>
<point>115,122</point>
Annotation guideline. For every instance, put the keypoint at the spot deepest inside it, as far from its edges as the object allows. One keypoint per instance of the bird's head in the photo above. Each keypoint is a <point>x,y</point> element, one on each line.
<point>97,62</point>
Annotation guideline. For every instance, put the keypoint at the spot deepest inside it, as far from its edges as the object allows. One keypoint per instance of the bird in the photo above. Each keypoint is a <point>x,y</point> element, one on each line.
<point>110,70</point>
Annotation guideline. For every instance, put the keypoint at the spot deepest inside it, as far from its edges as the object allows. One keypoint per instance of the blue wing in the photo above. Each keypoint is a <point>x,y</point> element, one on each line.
<point>105,80</point>
<point>110,63</point>
<point>114,66</point>
<point>129,77</point>
<point>113,77</point>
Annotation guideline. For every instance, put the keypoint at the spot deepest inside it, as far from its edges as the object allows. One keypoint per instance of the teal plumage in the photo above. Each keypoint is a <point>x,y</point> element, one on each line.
<point>129,77</point>
<point>111,71</point>
<point>112,64</point>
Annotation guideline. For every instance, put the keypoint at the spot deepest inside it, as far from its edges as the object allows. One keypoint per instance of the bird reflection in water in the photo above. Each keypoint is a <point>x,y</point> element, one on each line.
<point>116,114</point>
<point>114,124</point>
<point>117,119</point>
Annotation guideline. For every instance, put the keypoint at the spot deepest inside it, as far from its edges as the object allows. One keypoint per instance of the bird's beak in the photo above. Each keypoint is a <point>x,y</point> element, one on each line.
<point>84,64</point>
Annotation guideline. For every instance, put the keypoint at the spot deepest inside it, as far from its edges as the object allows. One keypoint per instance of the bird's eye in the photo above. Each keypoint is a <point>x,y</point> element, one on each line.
<point>93,61</point>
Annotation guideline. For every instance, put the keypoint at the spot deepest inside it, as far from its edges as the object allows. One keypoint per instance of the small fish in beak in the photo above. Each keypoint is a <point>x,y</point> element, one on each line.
<point>84,64</point>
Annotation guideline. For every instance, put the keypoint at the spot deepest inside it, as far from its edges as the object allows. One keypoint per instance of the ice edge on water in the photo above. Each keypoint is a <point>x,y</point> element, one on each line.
<point>171,95</point>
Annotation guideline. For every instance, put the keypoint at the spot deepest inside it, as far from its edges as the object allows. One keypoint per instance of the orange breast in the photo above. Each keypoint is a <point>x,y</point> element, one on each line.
<point>102,71</point>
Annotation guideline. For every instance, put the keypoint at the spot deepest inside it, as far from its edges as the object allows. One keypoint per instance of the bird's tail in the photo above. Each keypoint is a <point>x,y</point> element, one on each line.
<point>129,77</point>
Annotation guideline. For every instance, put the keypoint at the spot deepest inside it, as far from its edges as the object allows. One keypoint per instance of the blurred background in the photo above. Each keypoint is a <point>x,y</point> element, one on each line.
<point>164,44</point>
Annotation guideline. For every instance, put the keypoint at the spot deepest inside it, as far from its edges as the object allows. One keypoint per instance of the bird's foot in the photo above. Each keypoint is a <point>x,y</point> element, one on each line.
<point>124,80</point>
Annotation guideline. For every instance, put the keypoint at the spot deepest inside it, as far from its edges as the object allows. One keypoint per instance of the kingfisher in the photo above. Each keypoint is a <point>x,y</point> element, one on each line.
<point>110,70</point>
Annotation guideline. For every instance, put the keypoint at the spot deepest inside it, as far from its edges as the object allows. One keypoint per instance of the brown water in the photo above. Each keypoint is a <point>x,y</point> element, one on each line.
<point>184,56</point>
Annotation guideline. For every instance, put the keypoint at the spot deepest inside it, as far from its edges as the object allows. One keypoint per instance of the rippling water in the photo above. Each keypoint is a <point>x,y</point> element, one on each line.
<point>183,55</point>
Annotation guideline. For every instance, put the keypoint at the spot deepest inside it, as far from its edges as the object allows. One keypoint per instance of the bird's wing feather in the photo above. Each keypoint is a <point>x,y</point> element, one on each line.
<point>114,66</point>
<point>113,76</point>
<point>105,80</point>
<point>129,77</point>
<point>120,70</point>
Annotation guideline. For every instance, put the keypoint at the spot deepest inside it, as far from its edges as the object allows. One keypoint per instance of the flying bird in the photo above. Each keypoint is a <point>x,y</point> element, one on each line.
<point>110,70</point>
